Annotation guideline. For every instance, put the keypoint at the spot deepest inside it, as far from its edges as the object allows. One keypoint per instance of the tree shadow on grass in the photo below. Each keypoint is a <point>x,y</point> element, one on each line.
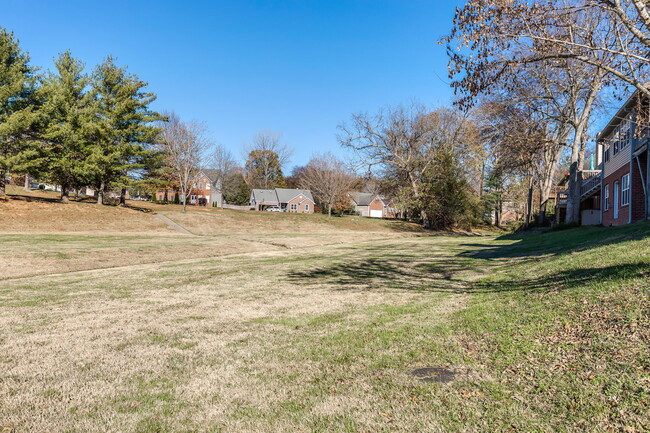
<point>446,276</point>
<point>388,273</point>
<point>82,199</point>
<point>565,280</point>
<point>30,199</point>
<point>556,243</point>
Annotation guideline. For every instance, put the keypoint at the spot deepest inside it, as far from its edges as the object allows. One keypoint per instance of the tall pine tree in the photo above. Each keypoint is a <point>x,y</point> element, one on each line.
<point>18,113</point>
<point>126,123</point>
<point>70,125</point>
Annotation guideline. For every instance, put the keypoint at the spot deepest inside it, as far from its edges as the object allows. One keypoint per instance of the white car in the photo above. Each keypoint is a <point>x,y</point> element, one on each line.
<point>273,209</point>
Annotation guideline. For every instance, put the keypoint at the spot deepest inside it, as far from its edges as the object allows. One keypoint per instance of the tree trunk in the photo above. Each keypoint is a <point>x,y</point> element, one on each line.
<point>424,217</point>
<point>482,180</point>
<point>579,141</point>
<point>123,197</point>
<point>552,159</point>
<point>100,194</point>
<point>573,196</point>
<point>185,197</point>
<point>529,203</point>
<point>27,189</point>
<point>65,196</point>
<point>3,191</point>
<point>329,209</point>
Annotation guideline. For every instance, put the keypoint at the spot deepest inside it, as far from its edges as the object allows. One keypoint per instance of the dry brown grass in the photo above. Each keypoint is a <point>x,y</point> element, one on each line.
<point>231,344</point>
<point>41,212</point>
<point>45,254</point>
<point>209,221</point>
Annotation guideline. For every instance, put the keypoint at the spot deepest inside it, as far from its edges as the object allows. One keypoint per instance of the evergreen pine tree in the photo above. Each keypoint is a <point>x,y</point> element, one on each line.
<point>126,123</point>
<point>18,113</point>
<point>70,125</point>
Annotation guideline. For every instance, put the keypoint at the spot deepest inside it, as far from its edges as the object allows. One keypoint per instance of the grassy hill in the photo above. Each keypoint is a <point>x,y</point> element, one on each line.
<point>325,331</point>
<point>564,328</point>
<point>42,212</point>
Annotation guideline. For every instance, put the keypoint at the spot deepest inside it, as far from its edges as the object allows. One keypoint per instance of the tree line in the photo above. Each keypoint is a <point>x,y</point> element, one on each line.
<point>530,78</point>
<point>538,73</point>
<point>73,128</point>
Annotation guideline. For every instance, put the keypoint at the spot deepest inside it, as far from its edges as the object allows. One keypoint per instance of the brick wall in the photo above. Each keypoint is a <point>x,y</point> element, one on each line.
<point>623,211</point>
<point>638,198</point>
<point>301,204</point>
<point>376,204</point>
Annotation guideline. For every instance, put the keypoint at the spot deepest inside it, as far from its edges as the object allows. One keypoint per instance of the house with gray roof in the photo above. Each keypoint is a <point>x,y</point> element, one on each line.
<point>371,205</point>
<point>287,199</point>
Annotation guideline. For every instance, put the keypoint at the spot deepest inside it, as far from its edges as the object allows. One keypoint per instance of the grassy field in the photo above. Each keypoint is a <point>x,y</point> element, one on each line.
<point>380,329</point>
<point>41,212</point>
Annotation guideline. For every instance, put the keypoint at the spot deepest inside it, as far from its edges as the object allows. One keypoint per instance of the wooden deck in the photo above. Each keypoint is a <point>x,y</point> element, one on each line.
<point>590,185</point>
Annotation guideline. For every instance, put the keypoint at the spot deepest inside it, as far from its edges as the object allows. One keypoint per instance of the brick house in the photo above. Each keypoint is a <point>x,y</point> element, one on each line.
<point>371,205</point>
<point>616,192</point>
<point>287,199</point>
<point>623,148</point>
<point>205,192</point>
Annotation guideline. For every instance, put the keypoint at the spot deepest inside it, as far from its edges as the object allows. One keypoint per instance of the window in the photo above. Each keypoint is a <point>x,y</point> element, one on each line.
<point>306,208</point>
<point>625,190</point>
<point>200,186</point>
<point>294,206</point>
<point>207,185</point>
<point>622,135</point>
<point>606,198</point>
<point>606,157</point>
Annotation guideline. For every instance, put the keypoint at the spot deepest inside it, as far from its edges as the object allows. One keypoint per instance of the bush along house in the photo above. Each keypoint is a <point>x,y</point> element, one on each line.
<point>623,147</point>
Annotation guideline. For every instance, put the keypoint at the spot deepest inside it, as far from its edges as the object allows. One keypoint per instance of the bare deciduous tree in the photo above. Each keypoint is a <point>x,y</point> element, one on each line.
<point>184,145</point>
<point>507,46</point>
<point>265,155</point>
<point>407,142</point>
<point>328,179</point>
<point>221,160</point>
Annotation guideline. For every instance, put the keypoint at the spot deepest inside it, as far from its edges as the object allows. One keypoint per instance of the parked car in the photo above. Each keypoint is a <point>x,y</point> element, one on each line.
<point>274,209</point>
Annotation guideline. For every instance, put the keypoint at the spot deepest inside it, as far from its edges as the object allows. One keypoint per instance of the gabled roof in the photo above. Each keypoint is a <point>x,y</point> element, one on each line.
<point>280,195</point>
<point>265,196</point>
<point>363,198</point>
<point>285,195</point>
<point>212,174</point>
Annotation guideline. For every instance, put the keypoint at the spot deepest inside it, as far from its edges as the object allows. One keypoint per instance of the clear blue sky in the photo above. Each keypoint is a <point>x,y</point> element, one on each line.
<point>298,67</point>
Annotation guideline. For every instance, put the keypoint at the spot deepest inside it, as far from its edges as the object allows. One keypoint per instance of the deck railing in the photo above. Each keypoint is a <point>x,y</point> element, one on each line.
<point>590,183</point>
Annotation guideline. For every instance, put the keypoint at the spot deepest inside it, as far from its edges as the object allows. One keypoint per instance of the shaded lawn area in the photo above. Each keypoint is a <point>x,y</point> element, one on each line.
<point>541,333</point>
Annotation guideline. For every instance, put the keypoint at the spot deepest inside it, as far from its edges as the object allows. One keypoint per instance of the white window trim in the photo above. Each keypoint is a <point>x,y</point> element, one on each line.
<point>306,207</point>
<point>293,206</point>
<point>625,189</point>
<point>606,198</point>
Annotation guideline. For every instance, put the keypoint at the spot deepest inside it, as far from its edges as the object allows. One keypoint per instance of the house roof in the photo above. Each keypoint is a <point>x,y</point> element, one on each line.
<point>212,174</point>
<point>285,195</point>
<point>363,198</point>
<point>265,196</point>
<point>280,195</point>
